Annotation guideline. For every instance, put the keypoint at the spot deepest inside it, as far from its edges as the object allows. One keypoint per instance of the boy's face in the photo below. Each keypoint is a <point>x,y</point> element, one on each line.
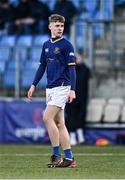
<point>56,28</point>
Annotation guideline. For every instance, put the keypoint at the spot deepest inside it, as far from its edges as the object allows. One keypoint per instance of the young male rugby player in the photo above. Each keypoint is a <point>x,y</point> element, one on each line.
<point>58,60</point>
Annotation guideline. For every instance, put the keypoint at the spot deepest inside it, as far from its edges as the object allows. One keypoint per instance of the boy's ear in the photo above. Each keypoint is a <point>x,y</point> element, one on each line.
<point>49,26</point>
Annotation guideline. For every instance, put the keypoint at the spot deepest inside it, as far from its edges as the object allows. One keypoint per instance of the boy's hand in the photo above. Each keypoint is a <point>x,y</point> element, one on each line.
<point>72,96</point>
<point>31,91</point>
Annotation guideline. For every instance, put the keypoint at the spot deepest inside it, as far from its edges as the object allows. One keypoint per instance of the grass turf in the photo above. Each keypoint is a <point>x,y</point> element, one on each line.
<point>29,162</point>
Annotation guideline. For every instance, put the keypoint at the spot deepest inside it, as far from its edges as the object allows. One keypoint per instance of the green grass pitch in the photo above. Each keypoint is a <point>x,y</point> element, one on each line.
<point>29,162</point>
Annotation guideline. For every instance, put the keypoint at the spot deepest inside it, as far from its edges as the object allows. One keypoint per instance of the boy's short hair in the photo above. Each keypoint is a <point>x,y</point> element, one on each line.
<point>56,17</point>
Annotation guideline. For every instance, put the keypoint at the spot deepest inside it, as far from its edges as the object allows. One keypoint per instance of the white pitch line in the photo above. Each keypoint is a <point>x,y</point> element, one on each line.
<point>75,154</point>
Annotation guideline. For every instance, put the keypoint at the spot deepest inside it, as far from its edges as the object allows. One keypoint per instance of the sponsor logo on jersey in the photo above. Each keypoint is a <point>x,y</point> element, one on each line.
<point>46,50</point>
<point>71,53</point>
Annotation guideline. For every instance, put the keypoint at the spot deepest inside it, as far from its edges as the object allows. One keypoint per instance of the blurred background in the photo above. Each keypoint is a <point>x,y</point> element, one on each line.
<point>96,28</point>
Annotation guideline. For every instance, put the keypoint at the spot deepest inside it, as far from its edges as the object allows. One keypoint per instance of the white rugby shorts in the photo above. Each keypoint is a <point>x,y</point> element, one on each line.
<point>57,96</point>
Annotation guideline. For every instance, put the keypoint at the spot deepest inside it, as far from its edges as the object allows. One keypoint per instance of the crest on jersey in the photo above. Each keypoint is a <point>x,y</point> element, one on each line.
<point>56,50</point>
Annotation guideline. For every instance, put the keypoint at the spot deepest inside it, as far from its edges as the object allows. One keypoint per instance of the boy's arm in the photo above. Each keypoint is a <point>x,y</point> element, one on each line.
<point>39,74</point>
<point>72,94</point>
<point>37,78</point>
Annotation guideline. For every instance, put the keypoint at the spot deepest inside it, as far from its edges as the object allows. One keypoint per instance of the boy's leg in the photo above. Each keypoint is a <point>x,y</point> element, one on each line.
<point>68,161</point>
<point>49,116</point>
<point>63,133</point>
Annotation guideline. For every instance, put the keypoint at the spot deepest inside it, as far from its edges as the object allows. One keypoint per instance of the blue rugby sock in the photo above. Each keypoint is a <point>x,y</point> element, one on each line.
<point>56,151</point>
<point>68,154</point>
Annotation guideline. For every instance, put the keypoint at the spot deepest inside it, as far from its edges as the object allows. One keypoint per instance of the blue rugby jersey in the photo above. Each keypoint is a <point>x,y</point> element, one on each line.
<point>58,59</point>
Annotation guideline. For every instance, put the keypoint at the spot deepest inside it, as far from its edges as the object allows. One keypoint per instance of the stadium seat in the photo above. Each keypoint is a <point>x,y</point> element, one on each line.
<point>112,113</point>
<point>21,51</point>
<point>5,53</point>
<point>96,109</point>
<point>123,115</point>
<point>38,40</point>
<point>80,42</point>
<point>35,53</point>
<point>98,101</point>
<point>97,15</point>
<point>9,79</point>
<point>95,113</point>
<point>118,101</point>
<point>81,31</point>
<point>2,66</point>
<point>30,64</point>
<point>24,40</point>
<point>27,78</point>
<point>50,4</point>
<point>108,10</point>
<point>97,27</point>
<point>11,65</point>
<point>8,40</point>
<point>90,5</point>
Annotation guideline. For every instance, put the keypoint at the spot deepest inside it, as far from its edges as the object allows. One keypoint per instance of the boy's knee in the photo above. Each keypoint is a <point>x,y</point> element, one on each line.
<point>60,125</point>
<point>45,118</point>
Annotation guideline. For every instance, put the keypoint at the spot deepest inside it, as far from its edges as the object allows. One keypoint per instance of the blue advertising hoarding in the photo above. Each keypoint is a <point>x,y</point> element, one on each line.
<point>23,122</point>
<point>2,122</point>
